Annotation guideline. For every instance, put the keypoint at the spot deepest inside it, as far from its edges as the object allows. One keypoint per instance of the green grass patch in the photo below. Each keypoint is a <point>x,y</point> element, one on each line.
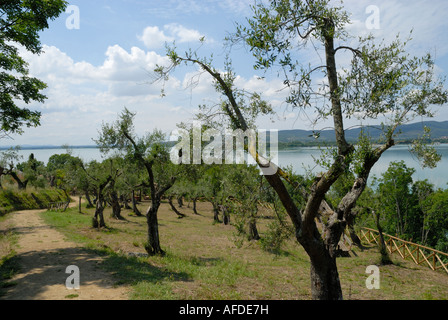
<point>9,266</point>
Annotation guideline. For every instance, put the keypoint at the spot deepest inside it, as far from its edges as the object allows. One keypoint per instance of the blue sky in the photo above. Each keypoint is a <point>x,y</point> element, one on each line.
<point>95,71</point>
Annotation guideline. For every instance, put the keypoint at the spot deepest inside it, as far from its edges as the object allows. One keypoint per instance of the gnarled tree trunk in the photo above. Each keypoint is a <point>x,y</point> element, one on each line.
<point>22,184</point>
<point>152,247</point>
<point>195,200</point>
<point>98,218</point>
<point>134,205</point>
<point>173,207</point>
<point>89,201</point>
<point>215,212</point>
<point>116,207</point>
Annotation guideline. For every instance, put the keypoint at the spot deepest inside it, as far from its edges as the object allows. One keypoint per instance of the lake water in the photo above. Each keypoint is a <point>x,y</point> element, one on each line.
<point>301,159</point>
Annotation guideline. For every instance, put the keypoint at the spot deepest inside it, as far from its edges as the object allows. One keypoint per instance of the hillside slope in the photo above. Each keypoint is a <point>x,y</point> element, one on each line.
<point>439,130</point>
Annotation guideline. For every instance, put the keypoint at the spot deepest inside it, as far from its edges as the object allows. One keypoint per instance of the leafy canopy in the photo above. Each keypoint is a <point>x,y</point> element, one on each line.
<point>20,24</point>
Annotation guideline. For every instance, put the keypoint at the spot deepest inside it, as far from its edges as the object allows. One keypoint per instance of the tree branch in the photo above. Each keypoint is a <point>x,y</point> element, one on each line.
<point>355,51</point>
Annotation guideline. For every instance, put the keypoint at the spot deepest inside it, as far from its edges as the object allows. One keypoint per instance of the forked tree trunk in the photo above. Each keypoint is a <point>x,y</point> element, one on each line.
<point>116,208</point>
<point>98,218</point>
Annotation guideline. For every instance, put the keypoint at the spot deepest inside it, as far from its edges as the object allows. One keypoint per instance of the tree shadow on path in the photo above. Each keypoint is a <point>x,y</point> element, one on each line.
<point>41,275</point>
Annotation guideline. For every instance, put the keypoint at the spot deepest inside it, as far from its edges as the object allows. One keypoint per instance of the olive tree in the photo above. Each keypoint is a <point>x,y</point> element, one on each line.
<point>149,152</point>
<point>382,80</point>
<point>99,176</point>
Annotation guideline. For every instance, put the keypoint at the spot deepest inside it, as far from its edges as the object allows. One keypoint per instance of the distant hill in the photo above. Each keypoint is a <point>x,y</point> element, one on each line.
<point>297,137</point>
<point>439,131</point>
<point>37,147</point>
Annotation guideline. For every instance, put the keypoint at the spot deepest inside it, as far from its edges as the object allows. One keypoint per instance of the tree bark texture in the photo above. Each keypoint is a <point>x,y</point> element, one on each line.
<point>98,219</point>
<point>153,245</point>
<point>116,207</point>
<point>253,231</point>
<point>134,205</point>
<point>89,201</point>
<point>215,212</point>
<point>195,200</point>
<point>22,184</point>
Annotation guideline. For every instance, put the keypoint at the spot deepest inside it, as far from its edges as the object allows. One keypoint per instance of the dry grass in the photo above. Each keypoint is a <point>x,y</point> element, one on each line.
<point>203,262</point>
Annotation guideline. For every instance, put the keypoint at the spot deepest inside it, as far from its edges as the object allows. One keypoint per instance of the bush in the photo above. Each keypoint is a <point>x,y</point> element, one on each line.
<point>275,236</point>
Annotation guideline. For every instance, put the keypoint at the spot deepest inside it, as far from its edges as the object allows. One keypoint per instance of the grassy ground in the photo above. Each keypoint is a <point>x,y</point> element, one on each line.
<point>12,199</point>
<point>204,262</point>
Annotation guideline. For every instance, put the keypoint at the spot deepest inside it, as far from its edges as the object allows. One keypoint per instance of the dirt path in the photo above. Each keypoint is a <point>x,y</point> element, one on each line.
<point>44,255</point>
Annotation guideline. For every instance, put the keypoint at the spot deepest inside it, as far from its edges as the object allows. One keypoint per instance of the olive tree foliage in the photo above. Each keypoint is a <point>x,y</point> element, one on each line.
<point>64,171</point>
<point>33,172</point>
<point>404,207</point>
<point>8,163</point>
<point>148,152</point>
<point>190,185</point>
<point>20,24</point>
<point>5,160</point>
<point>23,173</point>
<point>243,186</point>
<point>382,81</point>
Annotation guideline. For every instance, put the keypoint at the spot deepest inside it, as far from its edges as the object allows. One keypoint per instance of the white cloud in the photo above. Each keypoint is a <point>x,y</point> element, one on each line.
<point>182,33</point>
<point>81,96</point>
<point>121,65</point>
<point>155,38</point>
<point>130,68</point>
<point>269,88</point>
